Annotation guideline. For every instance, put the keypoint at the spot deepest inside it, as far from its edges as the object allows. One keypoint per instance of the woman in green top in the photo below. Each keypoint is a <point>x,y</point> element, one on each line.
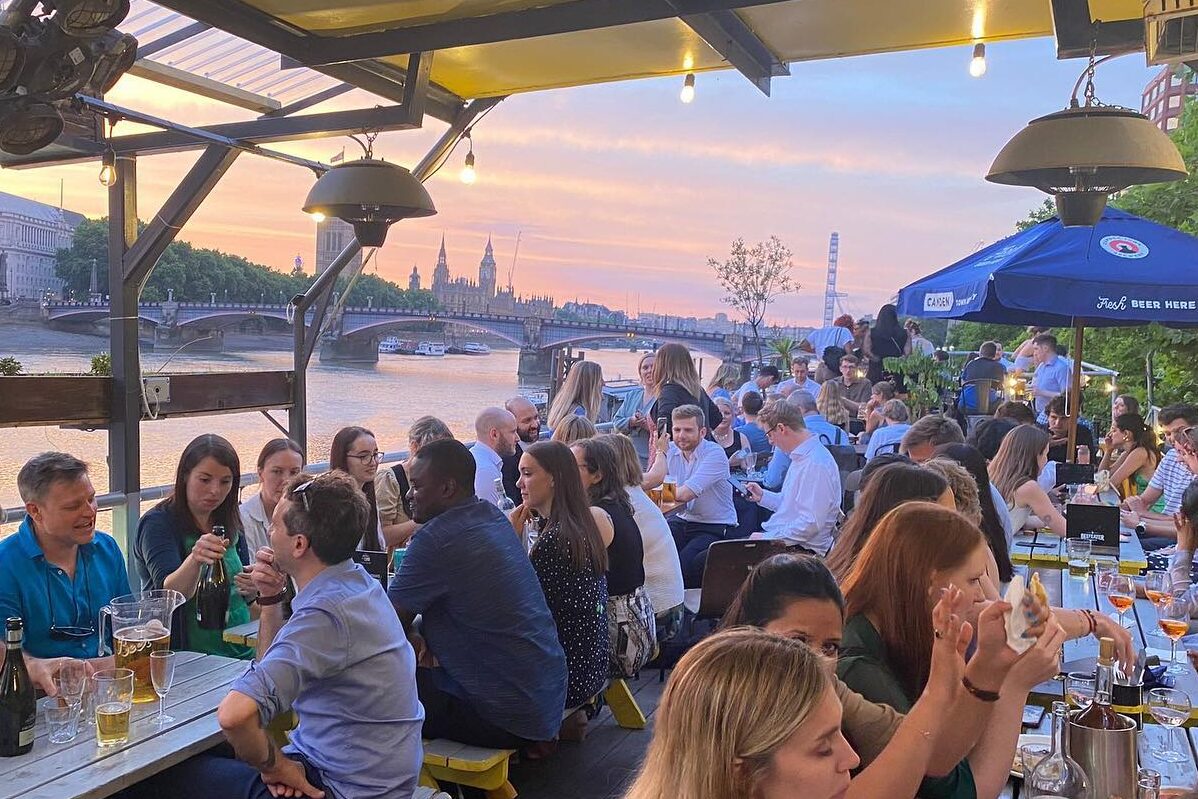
<point>1133,454</point>
<point>922,550</point>
<point>175,540</point>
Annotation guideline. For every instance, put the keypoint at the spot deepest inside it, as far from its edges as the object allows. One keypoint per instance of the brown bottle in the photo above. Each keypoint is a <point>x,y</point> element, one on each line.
<point>1099,715</point>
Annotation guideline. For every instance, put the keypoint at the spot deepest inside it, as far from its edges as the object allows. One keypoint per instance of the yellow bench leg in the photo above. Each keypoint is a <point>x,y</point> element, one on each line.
<point>505,791</point>
<point>427,780</point>
<point>623,706</point>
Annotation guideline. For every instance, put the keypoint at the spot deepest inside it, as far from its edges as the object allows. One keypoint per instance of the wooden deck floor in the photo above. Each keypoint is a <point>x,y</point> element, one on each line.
<point>599,767</point>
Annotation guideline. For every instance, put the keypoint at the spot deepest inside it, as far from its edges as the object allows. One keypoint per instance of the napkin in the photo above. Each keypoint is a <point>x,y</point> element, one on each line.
<point>1016,619</point>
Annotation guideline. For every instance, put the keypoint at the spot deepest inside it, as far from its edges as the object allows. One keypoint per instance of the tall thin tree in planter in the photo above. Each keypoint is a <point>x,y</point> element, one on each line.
<point>753,278</point>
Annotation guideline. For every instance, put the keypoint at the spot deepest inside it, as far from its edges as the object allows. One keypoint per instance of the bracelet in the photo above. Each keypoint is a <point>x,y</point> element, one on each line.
<point>1091,620</point>
<point>978,693</point>
<point>264,601</point>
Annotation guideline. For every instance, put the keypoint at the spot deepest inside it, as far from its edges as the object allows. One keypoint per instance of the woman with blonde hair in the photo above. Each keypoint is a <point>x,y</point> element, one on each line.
<point>580,395</point>
<point>573,428</point>
<point>1019,460</point>
<point>723,730</point>
<point>830,404</point>
<point>724,382</point>
<point>675,383</point>
<point>634,417</point>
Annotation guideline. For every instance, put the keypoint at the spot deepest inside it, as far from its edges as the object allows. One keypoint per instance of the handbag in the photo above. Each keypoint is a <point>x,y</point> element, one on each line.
<point>632,629</point>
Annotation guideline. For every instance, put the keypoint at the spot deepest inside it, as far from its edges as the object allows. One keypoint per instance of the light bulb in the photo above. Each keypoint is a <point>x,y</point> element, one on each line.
<point>107,174</point>
<point>977,65</point>
<point>468,175</point>
<point>1110,388</point>
<point>688,88</point>
<point>317,217</point>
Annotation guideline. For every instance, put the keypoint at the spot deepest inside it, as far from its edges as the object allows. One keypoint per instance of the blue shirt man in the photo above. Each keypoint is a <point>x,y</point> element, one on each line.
<point>1052,374</point>
<point>500,674</point>
<point>57,570</point>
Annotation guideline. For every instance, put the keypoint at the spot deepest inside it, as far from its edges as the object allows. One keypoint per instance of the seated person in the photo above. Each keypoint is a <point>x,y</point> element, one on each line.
<point>889,436</point>
<point>1018,412</point>
<point>1014,471</point>
<point>492,672</point>
<point>341,662</point>
<point>700,472</point>
<point>1172,477</point>
<point>1058,430</point>
<point>988,435</point>
<point>855,389</point>
<point>751,404</point>
<point>881,393</point>
<point>928,432</point>
<point>1131,456</point>
<point>57,570</point>
<point>986,366</point>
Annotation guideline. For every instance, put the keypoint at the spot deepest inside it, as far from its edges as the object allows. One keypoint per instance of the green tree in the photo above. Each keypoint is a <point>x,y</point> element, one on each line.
<point>752,278</point>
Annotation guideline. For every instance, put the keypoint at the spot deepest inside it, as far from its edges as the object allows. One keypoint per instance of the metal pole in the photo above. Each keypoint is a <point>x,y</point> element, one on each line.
<point>1075,394</point>
<point>124,443</point>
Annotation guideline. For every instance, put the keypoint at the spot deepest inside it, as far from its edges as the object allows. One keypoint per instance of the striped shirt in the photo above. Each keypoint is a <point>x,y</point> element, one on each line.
<point>1171,478</point>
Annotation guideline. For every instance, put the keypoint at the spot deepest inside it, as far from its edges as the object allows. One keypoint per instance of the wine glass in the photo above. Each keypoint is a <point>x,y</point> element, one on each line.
<point>1158,586</point>
<point>1121,593</point>
<point>1170,708</point>
<point>162,674</point>
<point>746,458</point>
<point>71,680</point>
<point>1173,616</point>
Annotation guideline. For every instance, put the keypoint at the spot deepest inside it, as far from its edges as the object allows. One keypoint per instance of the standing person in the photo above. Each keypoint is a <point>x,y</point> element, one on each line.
<point>889,437</point>
<point>839,335</point>
<point>630,616</point>
<point>700,472</point>
<point>861,343</point>
<point>58,570</point>
<point>634,418</point>
<point>675,383</point>
<point>175,539</point>
<point>355,451</point>
<point>663,572</point>
<point>491,671</point>
<point>808,506</point>
<point>279,461</point>
<point>496,433</point>
<point>1051,378</point>
<point>725,381</point>
<point>887,339</point>
<point>1020,459</point>
<point>1139,455</point>
<point>391,486</point>
<point>772,744</point>
<point>580,395</point>
<point>1024,352</point>
<point>571,560</point>
<point>800,376</point>
<point>327,662</point>
<point>528,431</point>
<point>831,405</point>
<point>918,342</point>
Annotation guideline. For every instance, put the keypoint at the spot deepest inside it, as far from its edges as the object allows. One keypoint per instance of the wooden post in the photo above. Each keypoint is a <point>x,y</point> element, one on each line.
<point>1075,390</point>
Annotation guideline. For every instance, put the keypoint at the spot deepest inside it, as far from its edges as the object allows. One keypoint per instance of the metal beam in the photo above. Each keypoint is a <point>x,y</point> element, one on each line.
<point>727,34</point>
<point>176,211</point>
<point>423,170</point>
<point>310,100</point>
<point>415,88</point>
<point>1076,30</point>
<point>176,78</point>
<point>171,39</point>
<point>385,80</point>
<point>289,40</point>
<point>549,20</point>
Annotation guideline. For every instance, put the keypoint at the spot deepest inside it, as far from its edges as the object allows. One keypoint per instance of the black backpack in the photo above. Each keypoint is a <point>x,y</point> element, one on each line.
<point>832,356</point>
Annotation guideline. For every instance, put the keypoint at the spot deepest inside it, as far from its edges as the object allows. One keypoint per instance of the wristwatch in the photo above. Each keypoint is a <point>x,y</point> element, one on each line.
<point>264,601</point>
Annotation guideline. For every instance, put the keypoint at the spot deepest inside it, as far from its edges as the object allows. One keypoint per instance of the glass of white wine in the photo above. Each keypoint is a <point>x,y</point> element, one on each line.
<point>1171,708</point>
<point>162,675</point>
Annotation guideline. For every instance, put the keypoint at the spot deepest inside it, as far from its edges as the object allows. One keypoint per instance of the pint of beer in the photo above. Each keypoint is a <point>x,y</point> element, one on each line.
<point>669,494</point>
<point>114,700</point>
<point>132,647</point>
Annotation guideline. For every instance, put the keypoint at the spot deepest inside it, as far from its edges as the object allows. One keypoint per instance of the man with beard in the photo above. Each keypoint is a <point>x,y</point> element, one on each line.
<point>528,431</point>
<point>495,429</point>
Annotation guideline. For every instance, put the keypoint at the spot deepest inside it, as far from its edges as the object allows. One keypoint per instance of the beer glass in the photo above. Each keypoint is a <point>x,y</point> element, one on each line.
<point>114,700</point>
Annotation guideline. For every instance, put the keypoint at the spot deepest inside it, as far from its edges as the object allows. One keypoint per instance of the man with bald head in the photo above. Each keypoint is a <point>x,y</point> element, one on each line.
<point>528,431</point>
<point>495,431</point>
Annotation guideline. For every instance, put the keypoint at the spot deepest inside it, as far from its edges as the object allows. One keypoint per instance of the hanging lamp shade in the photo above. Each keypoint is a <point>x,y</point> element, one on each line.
<point>370,195</point>
<point>1082,154</point>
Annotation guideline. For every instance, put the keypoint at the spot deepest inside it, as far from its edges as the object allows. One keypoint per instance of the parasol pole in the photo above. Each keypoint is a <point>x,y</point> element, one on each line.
<point>1075,393</point>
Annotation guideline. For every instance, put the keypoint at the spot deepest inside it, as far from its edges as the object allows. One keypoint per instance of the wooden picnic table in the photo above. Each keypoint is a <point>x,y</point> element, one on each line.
<point>83,770</point>
<point>1050,552</point>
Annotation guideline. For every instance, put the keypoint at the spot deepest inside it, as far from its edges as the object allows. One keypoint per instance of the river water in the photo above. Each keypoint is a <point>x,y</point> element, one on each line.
<point>385,398</point>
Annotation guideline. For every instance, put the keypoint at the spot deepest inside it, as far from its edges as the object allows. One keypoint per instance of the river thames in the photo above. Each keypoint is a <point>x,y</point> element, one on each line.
<point>385,398</point>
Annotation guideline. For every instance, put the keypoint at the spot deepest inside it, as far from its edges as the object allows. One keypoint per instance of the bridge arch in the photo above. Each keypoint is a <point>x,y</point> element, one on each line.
<point>375,328</point>
<point>93,315</point>
<point>221,319</point>
<point>713,348</point>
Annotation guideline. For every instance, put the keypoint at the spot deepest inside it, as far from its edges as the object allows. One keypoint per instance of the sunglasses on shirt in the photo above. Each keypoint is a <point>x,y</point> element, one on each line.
<point>70,632</point>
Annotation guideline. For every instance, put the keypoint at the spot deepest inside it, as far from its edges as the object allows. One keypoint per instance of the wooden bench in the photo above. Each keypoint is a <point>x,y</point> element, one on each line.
<point>474,766</point>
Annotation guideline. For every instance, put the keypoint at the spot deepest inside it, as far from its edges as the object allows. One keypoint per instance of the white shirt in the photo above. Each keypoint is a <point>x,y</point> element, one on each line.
<point>921,344</point>
<point>808,506</point>
<point>826,337</point>
<point>256,524</point>
<point>663,571</point>
<point>810,386</point>
<point>750,385</point>
<point>488,467</point>
<point>885,436</point>
<point>706,474</point>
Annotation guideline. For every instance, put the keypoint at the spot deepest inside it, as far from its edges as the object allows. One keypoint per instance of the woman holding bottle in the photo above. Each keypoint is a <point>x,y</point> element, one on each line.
<point>181,541</point>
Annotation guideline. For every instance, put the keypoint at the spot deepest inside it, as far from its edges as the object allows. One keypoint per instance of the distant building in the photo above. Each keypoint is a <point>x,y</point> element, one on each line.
<point>1164,96</point>
<point>31,234</point>
<point>332,236</point>
<point>464,295</point>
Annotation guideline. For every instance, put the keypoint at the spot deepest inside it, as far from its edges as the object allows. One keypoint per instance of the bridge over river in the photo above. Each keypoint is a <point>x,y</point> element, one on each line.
<point>354,333</point>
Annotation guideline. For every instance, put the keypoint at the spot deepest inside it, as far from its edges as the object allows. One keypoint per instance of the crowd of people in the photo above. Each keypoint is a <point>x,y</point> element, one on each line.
<point>533,566</point>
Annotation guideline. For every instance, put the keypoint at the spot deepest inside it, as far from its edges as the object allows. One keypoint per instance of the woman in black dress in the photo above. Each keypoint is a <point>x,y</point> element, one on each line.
<point>887,339</point>
<point>676,382</point>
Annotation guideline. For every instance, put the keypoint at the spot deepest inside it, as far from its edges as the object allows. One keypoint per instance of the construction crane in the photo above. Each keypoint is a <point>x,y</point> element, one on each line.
<point>511,270</point>
<point>831,295</point>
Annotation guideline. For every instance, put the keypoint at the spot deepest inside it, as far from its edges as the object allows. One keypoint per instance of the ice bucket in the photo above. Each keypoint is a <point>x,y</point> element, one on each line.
<point>1107,756</point>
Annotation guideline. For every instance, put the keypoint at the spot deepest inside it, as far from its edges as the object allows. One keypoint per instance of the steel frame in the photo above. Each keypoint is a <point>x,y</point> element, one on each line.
<point>727,34</point>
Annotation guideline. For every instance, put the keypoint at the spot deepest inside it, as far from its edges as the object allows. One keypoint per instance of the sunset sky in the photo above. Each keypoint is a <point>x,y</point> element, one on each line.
<point>622,192</point>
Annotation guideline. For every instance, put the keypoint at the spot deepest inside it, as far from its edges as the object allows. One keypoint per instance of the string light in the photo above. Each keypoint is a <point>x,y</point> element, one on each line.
<point>107,174</point>
<point>688,88</point>
<point>468,175</point>
<point>977,64</point>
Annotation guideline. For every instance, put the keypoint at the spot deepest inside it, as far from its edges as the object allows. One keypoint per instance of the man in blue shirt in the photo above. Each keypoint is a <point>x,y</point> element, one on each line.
<point>57,571</point>
<point>1051,377</point>
<point>492,670</point>
<point>341,662</point>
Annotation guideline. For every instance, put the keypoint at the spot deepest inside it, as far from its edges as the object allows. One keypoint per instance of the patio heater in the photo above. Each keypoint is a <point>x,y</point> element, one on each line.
<point>1086,152</point>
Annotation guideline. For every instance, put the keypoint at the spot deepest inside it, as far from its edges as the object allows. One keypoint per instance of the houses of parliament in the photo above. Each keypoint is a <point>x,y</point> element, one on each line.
<point>482,296</point>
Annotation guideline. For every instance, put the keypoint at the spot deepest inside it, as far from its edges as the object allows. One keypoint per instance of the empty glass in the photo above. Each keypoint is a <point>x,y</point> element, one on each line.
<point>1030,756</point>
<point>1170,708</point>
<point>1079,688</point>
<point>162,674</point>
<point>62,718</point>
<point>71,681</point>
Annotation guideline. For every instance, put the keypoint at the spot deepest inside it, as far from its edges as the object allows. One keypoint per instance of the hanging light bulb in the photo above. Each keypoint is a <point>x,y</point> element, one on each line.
<point>317,217</point>
<point>107,174</point>
<point>688,88</point>
<point>468,175</point>
<point>977,65</point>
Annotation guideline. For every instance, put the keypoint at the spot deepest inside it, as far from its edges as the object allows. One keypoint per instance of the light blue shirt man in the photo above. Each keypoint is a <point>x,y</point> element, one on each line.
<point>885,438</point>
<point>1051,377</point>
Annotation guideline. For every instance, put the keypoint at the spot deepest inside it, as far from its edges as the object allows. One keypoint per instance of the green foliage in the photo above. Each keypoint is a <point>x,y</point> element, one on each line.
<point>101,365</point>
<point>925,377</point>
<point>10,366</point>
<point>781,348</point>
<point>753,277</point>
<point>195,274</point>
